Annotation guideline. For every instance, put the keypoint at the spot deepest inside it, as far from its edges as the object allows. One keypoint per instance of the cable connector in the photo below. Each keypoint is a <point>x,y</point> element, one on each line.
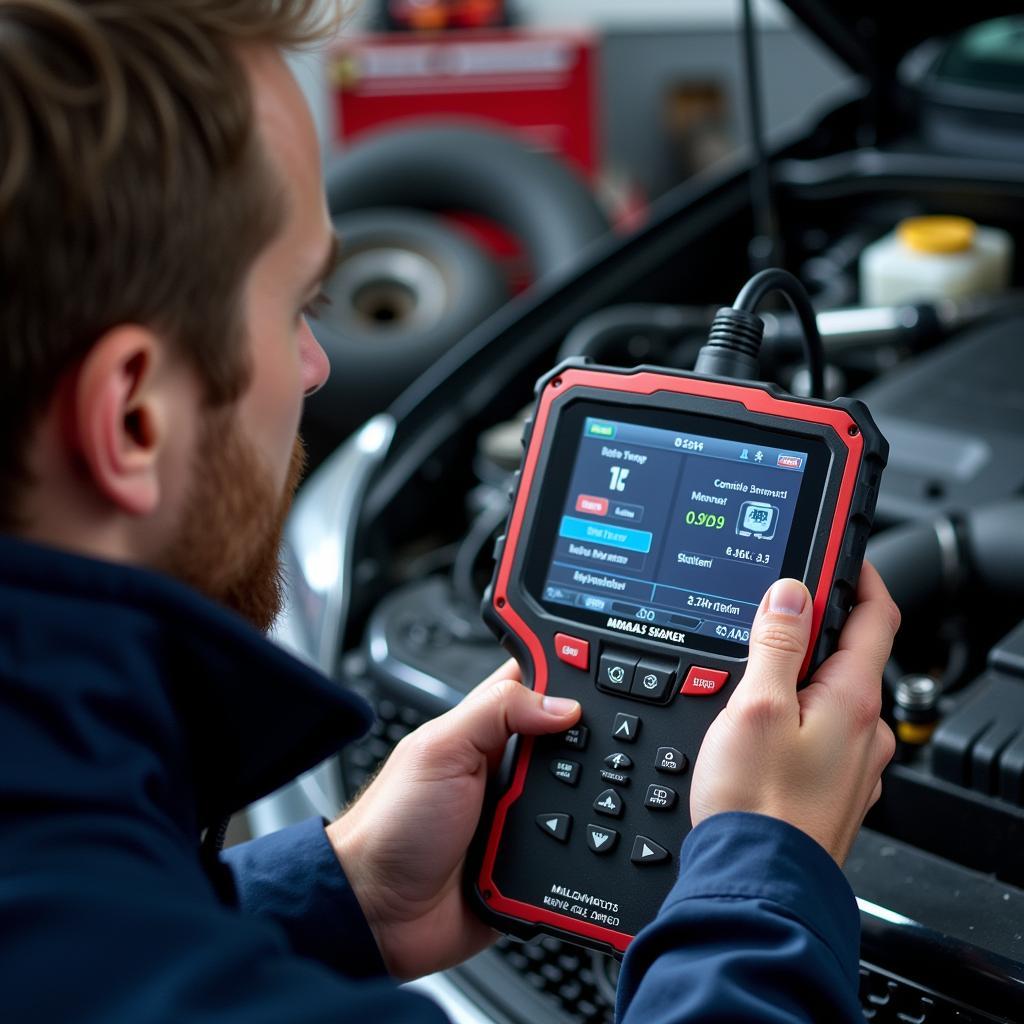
<point>734,341</point>
<point>733,344</point>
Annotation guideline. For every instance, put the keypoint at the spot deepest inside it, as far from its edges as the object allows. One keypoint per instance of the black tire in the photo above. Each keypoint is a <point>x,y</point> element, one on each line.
<point>474,168</point>
<point>408,287</point>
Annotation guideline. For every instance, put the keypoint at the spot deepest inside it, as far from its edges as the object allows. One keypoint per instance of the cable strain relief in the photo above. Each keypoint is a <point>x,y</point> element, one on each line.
<point>733,345</point>
<point>738,330</point>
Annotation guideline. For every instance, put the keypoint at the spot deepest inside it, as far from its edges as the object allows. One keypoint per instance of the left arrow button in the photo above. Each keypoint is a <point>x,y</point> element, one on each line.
<point>555,825</point>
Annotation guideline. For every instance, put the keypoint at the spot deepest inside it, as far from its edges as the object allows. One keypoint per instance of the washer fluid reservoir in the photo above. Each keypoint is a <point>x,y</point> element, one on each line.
<point>934,258</point>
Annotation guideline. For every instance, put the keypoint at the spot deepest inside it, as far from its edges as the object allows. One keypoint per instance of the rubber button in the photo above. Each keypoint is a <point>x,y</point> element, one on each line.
<point>601,839</point>
<point>625,728</point>
<point>555,825</point>
<point>576,737</point>
<point>660,798</point>
<point>652,679</point>
<point>609,802</point>
<point>670,761</point>
<point>702,682</point>
<point>572,651</point>
<point>566,771</point>
<point>615,671</point>
<point>619,762</point>
<point>647,851</point>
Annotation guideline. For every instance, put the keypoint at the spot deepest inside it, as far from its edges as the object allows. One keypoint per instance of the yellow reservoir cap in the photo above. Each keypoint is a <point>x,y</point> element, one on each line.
<point>914,733</point>
<point>937,234</point>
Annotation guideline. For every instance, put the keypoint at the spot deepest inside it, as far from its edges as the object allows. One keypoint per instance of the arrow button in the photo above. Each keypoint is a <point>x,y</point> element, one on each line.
<point>555,825</point>
<point>609,802</point>
<point>626,727</point>
<point>601,839</point>
<point>647,851</point>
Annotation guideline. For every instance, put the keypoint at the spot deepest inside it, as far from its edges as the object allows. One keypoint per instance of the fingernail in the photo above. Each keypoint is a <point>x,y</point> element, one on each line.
<point>559,705</point>
<point>787,597</point>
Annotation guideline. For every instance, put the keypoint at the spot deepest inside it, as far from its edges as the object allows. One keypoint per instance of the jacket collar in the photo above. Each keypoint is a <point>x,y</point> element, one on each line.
<point>101,662</point>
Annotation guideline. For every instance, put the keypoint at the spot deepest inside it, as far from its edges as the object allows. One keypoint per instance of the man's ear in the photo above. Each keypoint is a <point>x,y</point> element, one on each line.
<point>120,417</point>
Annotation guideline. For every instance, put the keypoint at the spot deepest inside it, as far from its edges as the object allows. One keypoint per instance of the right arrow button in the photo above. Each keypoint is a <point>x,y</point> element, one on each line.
<point>647,851</point>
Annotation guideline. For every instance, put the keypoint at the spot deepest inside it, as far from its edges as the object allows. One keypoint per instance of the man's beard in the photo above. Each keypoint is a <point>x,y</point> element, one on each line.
<point>228,544</point>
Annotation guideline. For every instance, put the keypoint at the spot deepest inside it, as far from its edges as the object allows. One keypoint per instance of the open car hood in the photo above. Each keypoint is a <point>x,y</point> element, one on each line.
<point>872,36</point>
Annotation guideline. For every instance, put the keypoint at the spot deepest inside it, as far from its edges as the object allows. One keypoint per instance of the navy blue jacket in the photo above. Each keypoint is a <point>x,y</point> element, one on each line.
<point>133,714</point>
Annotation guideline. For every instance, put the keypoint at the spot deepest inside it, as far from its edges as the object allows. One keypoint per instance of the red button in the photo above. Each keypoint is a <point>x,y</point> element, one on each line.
<point>591,505</point>
<point>572,651</point>
<point>701,682</point>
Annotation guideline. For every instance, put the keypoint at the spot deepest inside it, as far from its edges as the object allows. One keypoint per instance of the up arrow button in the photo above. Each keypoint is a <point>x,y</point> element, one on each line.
<point>625,728</point>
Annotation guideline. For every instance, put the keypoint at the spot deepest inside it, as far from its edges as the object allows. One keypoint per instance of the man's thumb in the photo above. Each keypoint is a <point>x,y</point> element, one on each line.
<point>488,717</point>
<point>778,639</point>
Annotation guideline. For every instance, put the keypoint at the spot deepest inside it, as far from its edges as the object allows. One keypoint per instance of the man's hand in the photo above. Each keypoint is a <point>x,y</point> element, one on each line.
<point>403,843</point>
<point>813,758</point>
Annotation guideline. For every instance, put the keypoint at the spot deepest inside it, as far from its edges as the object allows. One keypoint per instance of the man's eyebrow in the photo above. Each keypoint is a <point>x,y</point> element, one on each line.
<point>330,263</point>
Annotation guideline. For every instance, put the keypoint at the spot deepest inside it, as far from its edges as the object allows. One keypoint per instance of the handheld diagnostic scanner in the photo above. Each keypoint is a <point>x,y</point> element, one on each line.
<point>653,511</point>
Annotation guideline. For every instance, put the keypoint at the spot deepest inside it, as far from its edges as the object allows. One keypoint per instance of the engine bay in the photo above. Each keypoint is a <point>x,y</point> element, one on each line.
<point>937,870</point>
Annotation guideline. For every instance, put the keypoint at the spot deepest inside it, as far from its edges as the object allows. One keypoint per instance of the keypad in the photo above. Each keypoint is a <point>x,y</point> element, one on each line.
<point>640,681</point>
<point>565,974</point>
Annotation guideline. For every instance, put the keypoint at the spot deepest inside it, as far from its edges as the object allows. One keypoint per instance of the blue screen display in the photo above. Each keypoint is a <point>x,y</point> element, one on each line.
<point>682,532</point>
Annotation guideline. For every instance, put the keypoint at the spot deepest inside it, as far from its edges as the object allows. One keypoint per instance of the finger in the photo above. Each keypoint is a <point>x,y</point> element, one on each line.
<point>866,640</point>
<point>509,670</point>
<point>493,716</point>
<point>778,644</point>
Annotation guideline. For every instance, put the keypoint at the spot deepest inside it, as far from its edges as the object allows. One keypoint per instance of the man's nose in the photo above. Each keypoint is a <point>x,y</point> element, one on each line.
<point>316,367</point>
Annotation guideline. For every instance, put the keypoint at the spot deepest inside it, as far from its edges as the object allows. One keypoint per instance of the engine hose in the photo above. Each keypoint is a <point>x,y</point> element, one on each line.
<point>995,540</point>
<point>635,333</point>
<point>926,563</point>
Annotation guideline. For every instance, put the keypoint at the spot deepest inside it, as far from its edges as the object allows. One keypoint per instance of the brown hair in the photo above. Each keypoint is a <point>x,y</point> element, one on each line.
<point>133,188</point>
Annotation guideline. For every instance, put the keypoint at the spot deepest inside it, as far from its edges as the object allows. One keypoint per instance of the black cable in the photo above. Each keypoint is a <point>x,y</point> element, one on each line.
<point>734,341</point>
<point>775,279</point>
<point>765,248</point>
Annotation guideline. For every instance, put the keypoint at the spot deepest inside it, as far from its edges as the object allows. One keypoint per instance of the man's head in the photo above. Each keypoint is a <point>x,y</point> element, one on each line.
<point>164,230</point>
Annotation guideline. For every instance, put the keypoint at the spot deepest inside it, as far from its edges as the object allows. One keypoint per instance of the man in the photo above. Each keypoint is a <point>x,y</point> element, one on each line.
<point>164,232</point>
